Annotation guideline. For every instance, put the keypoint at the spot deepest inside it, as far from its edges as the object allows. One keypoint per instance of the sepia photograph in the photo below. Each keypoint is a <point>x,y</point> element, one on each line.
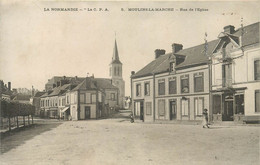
<point>129,82</point>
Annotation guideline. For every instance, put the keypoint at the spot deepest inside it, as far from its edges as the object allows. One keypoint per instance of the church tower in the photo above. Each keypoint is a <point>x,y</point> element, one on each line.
<point>115,73</point>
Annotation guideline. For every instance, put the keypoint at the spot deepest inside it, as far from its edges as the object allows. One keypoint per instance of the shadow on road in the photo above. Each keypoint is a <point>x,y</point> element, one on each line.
<point>17,137</point>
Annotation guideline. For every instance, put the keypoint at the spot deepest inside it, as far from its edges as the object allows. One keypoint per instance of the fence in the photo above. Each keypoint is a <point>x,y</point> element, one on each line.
<point>14,114</point>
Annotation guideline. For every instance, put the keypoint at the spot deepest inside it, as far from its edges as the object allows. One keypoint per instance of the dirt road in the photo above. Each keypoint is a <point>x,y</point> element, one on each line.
<point>117,142</point>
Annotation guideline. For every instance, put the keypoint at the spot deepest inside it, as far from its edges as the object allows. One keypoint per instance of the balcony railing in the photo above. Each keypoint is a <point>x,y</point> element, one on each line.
<point>225,82</point>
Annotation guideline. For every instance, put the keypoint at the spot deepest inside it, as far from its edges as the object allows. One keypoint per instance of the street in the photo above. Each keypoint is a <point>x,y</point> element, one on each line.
<point>117,141</point>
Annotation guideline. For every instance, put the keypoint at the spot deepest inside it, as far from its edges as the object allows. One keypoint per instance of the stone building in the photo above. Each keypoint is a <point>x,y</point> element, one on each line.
<point>115,73</point>
<point>236,75</point>
<point>177,85</point>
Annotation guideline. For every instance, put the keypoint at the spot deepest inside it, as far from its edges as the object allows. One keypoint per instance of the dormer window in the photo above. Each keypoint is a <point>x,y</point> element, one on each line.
<point>172,66</point>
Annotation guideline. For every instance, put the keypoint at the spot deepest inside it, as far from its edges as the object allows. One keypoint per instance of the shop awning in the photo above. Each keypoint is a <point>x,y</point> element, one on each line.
<point>65,109</point>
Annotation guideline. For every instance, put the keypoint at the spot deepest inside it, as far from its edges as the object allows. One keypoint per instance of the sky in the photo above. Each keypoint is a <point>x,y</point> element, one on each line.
<point>36,44</point>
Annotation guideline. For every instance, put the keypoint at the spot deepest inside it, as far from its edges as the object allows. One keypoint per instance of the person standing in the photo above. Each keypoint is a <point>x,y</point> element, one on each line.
<point>205,121</point>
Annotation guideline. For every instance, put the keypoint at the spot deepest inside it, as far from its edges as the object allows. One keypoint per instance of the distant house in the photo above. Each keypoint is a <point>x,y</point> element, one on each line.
<point>35,101</point>
<point>22,98</point>
<point>80,98</point>
<point>5,91</point>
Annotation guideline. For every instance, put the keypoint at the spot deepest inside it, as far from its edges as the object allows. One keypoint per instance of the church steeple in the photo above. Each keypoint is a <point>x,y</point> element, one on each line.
<point>116,75</point>
<point>115,58</point>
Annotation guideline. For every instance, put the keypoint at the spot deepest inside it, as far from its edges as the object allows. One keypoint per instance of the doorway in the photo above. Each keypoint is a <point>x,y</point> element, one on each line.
<point>87,112</point>
<point>228,113</point>
<point>173,110</point>
<point>142,110</point>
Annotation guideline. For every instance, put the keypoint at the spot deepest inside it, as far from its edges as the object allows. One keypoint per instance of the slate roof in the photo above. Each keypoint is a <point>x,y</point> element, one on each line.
<point>95,83</point>
<point>22,97</point>
<point>196,55</point>
<point>115,57</point>
<point>39,94</point>
<point>59,90</point>
<point>156,66</point>
<point>104,83</point>
<point>251,34</point>
<point>84,85</point>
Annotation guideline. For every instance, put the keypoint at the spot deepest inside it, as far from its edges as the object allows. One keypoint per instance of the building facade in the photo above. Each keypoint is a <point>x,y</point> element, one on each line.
<point>80,98</point>
<point>236,75</point>
<point>180,84</point>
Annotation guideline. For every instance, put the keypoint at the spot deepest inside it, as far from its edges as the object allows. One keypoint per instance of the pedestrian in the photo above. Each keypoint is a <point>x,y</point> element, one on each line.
<point>205,121</point>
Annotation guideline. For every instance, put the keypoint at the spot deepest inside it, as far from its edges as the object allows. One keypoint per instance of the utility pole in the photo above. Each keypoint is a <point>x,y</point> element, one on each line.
<point>210,77</point>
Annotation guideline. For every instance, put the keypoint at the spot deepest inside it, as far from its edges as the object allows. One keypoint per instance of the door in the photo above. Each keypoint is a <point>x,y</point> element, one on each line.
<point>173,110</point>
<point>228,109</point>
<point>87,112</point>
<point>142,110</point>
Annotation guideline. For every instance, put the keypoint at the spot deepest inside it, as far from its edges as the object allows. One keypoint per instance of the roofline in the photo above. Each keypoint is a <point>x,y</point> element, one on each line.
<point>189,66</point>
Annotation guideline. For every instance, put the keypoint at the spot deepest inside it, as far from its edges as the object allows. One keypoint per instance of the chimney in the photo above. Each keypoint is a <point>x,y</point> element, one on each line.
<point>88,82</point>
<point>176,47</point>
<point>159,52</point>
<point>58,83</point>
<point>9,86</point>
<point>229,29</point>
<point>32,91</point>
<point>92,76</point>
<point>76,77</point>
<point>64,77</point>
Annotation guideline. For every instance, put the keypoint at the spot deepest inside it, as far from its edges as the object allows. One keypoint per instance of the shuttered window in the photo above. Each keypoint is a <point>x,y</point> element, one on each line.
<point>161,87</point>
<point>161,107</point>
<point>172,85</point>
<point>257,101</point>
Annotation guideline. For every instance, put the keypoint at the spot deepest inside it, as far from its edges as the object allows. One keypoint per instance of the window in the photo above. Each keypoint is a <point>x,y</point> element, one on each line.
<point>257,101</point>
<point>88,98</point>
<point>147,89</point>
<point>172,85</point>
<point>138,90</point>
<point>148,108</point>
<point>161,107</point>
<point>68,100</point>
<point>93,98</point>
<point>113,98</point>
<point>257,69</point>
<point>82,98</point>
<point>75,98</point>
<point>185,107</point>
<point>198,106</point>
<point>137,108</point>
<point>172,67</point>
<point>216,104</point>
<point>198,82</point>
<point>56,102</point>
<point>115,71</point>
<point>185,84</point>
<point>63,102</point>
<point>239,100</point>
<point>226,75</point>
<point>161,87</point>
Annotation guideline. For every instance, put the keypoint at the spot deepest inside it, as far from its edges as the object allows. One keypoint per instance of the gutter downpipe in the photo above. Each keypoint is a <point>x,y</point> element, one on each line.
<point>132,106</point>
<point>210,90</point>
<point>153,97</point>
